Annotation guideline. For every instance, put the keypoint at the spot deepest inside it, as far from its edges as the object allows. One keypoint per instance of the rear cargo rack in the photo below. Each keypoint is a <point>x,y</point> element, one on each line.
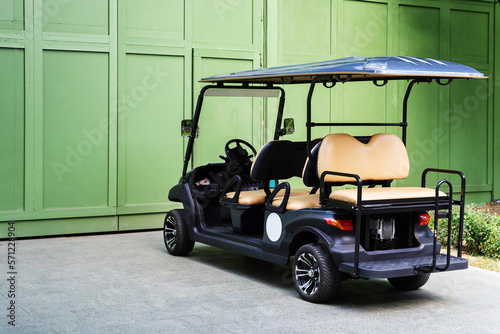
<point>445,214</point>
<point>442,207</point>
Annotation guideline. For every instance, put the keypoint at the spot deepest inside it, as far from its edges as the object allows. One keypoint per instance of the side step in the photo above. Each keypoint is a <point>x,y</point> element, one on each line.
<point>402,267</point>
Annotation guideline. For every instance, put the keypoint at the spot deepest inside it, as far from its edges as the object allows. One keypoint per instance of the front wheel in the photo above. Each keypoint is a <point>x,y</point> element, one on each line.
<point>176,233</point>
<point>315,276</point>
<point>409,282</point>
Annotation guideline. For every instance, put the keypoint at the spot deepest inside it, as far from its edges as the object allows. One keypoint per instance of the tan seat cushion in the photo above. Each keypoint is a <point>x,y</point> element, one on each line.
<point>250,197</point>
<point>300,202</point>
<point>259,196</point>
<point>376,194</point>
<point>384,157</point>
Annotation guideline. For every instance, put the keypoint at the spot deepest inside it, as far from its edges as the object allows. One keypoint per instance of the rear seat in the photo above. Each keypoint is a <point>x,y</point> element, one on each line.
<point>383,158</point>
<point>376,160</point>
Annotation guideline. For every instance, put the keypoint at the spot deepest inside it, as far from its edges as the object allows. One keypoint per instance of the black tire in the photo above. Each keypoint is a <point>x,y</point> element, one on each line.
<point>176,233</point>
<point>315,276</point>
<point>409,282</point>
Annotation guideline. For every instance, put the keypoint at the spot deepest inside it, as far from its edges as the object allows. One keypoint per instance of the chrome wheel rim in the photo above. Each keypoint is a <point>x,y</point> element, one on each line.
<point>170,232</point>
<point>307,273</point>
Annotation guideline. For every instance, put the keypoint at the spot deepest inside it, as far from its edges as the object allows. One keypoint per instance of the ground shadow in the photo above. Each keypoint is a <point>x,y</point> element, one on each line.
<point>358,293</point>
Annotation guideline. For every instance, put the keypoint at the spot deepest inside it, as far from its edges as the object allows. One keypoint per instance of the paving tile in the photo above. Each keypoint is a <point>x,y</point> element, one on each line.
<point>21,328</point>
<point>128,283</point>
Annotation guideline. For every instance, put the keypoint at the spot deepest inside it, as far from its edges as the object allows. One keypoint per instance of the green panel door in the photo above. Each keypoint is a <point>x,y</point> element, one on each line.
<point>468,138</point>
<point>11,130</point>
<point>470,37</point>
<point>301,43</point>
<point>419,31</point>
<point>364,29</point>
<point>470,130</point>
<point>76,16</point>
<point>11,15</point>
<point>425,137</point>
<point>364,33</point>
<point>150,145</point>
<point>223,22</point>
<point>75,129</point>
<point>309,40</point>
<point>92,93</point>
<point>155,19</point>
<point>419,37</point>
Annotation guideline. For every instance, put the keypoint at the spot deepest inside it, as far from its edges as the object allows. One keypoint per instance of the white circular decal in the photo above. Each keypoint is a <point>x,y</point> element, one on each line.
<point>273,227</point>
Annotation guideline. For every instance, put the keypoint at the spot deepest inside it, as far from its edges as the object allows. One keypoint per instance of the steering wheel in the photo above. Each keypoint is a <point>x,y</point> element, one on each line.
<point>237,158</point>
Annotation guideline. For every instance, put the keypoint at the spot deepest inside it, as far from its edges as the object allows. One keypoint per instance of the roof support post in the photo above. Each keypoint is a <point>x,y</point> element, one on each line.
<point>405,109</point>
<point>279,118</point>
<point>309,107</point>
<point>194,124</point>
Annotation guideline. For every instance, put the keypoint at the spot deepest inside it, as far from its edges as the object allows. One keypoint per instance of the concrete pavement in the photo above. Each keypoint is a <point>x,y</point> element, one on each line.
<point>128,283</point>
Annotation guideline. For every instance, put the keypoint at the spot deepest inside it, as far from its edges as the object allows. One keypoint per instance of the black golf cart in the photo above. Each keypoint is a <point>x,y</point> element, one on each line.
<point>348,221</point>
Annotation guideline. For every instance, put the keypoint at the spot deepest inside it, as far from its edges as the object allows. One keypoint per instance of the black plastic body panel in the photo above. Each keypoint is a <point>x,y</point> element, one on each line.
<point>401,267</point>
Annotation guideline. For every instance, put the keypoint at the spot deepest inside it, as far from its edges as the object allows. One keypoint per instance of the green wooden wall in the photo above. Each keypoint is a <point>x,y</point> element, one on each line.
<point>92,93</point>
<point>449,127</point>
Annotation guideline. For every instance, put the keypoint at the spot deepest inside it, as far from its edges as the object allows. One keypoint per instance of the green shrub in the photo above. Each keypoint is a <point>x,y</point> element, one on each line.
<point>481,231</point>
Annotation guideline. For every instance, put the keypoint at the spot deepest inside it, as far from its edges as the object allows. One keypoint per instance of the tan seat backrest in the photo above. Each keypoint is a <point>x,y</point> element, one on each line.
<point>384,157</point>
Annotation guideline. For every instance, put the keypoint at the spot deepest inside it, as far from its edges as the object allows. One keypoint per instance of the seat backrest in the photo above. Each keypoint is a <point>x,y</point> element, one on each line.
<point>279,159</point>
<point>310,171</point>
<point>384,157</point>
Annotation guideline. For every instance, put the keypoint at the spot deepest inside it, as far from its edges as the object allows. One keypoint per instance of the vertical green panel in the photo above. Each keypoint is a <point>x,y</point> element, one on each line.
<point>11,129</point>
<point>495,99</point>
<point>468,123</point>
<point>424,132</point>
<point>469,36</point>
<point>364,34</point>
<point>307,41</point>
<point>223,118</point>
<point>75,129</point>
<point>365,29</point>
<point>150,113</point>
<point>147,17</point>
<point>223,21</point>
<point>76,16</point>
<point>418,31</point>
<point>468,117</point>
<point>7,11</point>
<point>306,28</point>
<point>364,101</point>
<point>11,14</point>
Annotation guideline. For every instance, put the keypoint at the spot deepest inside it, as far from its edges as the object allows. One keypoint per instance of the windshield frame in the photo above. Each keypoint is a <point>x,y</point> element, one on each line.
<point>232,90</point>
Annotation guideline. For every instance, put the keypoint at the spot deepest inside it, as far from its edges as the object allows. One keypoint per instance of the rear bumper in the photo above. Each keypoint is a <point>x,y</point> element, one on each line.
<point>401,267</point>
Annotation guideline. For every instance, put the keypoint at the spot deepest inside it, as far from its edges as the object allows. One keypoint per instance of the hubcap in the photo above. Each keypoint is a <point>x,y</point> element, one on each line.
<point>307,273</point>
<point>170,232</point>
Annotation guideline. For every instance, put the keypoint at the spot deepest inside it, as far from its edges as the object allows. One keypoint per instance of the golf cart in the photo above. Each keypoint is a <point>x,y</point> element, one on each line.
<point>348,222</point>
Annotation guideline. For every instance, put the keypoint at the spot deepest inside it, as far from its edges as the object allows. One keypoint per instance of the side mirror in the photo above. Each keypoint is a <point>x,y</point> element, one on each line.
<point>289,125</point>
<point>186,128</point>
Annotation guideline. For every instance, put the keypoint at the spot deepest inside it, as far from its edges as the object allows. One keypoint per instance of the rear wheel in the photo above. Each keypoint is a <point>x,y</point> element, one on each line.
<point>315,276</point>
<point>409,282</point>
<point>176,233</point>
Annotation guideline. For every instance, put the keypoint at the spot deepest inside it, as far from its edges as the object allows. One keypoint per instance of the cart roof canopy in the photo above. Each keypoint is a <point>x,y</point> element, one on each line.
<point>353,69</point>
